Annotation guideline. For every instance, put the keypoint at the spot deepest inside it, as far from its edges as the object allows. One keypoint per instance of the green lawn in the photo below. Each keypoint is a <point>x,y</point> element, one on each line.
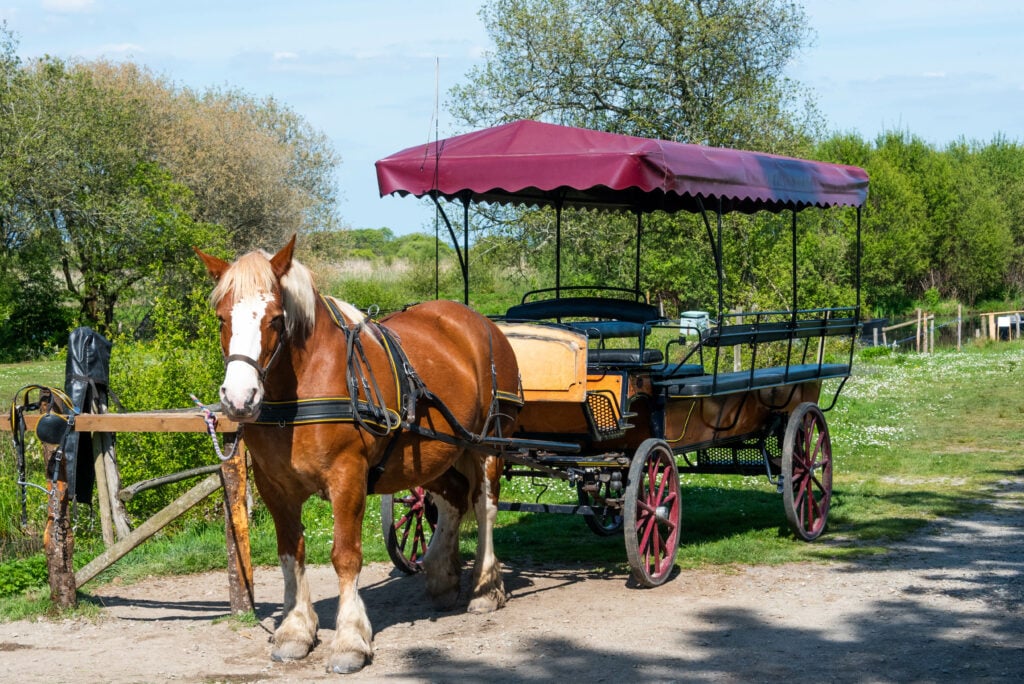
<point>14,376</point>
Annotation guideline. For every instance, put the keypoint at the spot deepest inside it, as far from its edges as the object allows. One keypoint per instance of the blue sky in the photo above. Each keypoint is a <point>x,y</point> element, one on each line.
<point>364,72</point>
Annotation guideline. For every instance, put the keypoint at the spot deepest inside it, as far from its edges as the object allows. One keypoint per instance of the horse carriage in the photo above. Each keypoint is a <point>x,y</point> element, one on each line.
<point>432,405</point>
<point>618,398</point>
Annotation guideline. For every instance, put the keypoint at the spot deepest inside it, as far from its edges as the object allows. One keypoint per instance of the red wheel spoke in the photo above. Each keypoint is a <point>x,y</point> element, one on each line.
<point>652,513</point>
<point>408,528</point>
<point>807,471</point>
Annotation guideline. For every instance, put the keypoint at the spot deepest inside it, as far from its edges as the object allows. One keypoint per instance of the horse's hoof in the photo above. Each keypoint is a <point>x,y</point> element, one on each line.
<point>347,663</point>
<point>445,600</point>
<point>290,650</point>
<point>488,603</point>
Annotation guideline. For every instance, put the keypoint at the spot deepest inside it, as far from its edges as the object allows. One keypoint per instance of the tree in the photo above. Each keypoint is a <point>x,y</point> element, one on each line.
<point>108,214</point>
<point>700,71</point>
<point>108,175</point>
<point>255,167</point>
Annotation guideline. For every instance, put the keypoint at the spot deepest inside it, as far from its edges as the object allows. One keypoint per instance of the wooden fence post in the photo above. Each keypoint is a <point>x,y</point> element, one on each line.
<point>105,462</point>
<point>236,527</point>
<point>917,344</point>
<point>959,325</point>
<point>58,537</point>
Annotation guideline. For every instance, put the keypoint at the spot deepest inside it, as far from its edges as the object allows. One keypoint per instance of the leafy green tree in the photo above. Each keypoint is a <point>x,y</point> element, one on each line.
<point>709,72</point>
<point>108,175</point>
<point>688,70</point>
<point>1002,162</point>
<point>894,236</point>
<point>255,167</point>
<point>109,212</point>
<point>976,252</point>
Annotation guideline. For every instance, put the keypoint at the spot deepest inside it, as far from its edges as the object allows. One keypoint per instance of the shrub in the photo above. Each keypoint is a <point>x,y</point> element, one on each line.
<point>22,573</point>
<point>183,358</point>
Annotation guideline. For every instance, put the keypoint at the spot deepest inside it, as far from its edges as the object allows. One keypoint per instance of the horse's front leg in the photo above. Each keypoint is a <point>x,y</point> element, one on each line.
<point>352,647</point>
<point>488,588</point>
<point>296,635</point>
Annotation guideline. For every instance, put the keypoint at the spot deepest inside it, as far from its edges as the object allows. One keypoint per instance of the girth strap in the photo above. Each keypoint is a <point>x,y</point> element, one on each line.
<point>320,410</point>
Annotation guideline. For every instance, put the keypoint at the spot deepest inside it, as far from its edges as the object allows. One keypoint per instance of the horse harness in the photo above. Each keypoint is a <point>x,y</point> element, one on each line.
<point>371,412</point>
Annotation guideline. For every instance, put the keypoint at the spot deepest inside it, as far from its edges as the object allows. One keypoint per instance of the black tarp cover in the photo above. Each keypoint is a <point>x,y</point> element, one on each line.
<point>86,382</point>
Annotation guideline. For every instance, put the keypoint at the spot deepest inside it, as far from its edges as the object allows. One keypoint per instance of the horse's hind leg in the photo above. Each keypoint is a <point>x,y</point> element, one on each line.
<point>441,564</point>
<point>488,588</point>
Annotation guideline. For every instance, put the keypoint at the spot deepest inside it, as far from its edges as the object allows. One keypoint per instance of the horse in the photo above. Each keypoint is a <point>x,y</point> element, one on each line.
<point>336,404</point>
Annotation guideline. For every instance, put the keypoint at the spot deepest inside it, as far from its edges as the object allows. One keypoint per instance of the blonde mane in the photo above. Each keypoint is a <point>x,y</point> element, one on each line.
<point>251,274</point>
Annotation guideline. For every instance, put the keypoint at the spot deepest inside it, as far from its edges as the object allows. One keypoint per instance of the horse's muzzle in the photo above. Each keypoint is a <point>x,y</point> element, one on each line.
<point>241,409</point>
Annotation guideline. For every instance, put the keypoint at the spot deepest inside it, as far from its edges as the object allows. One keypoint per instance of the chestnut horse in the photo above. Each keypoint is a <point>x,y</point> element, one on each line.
<point>337,405</point>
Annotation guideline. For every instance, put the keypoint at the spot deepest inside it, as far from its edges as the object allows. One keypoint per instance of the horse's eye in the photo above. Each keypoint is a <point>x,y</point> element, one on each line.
<point>277,323</point>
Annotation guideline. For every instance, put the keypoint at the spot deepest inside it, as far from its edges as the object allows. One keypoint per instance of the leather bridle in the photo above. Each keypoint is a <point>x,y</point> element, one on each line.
<point>261,371</point>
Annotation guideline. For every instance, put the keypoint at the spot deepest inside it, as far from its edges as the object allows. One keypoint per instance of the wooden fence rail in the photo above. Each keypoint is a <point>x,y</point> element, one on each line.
<point>232,478</point>
<point>991,325</point>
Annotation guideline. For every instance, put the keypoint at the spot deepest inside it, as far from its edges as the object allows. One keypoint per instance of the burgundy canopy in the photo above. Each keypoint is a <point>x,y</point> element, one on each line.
<point>528,162</point>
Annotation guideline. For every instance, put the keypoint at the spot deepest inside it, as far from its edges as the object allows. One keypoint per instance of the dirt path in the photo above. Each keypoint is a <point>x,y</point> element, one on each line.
<point>945,606</point>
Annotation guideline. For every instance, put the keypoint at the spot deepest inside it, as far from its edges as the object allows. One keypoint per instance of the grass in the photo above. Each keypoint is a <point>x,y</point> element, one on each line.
<point>14,376</point>
<point>915,438</point>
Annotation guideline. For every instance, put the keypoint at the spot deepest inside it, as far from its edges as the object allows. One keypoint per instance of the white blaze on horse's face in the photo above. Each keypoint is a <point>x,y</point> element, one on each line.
<point>242,391</point>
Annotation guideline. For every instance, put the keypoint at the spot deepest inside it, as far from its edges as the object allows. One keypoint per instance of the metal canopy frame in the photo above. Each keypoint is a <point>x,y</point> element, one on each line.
<point>538,164</point>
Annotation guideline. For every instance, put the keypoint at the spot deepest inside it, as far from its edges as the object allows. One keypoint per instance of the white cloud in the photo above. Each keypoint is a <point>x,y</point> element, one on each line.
<point>68,6</point>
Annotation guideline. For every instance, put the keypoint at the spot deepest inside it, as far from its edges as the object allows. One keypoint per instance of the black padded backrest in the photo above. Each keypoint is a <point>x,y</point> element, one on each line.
<point>584,307</point>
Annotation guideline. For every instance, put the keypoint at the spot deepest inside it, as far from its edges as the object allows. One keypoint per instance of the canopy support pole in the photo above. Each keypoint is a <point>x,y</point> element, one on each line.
<point>465,250</point>
<point>558,250</point>
<point>716,249</point>
<point>461,253</point>
<point>721,268</point>
<point>639,234</point>
<point>793,241</point>
<point>857,266</point>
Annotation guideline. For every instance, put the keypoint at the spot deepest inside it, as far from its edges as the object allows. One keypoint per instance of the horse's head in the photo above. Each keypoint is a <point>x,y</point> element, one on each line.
<point>251,300</point>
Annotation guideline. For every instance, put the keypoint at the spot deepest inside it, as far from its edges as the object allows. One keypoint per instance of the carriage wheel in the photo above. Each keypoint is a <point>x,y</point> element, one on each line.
<point>607,520</point>
<point>807,471</point>
<point>408,522</point>
<point>653,513</point>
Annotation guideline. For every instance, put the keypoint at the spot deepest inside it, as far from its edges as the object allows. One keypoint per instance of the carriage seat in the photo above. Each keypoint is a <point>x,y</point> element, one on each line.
<point>620,358</point>
<point>739,381</point>
<point>584,307</point>
<point>775,331</point>
<point>613,318</point>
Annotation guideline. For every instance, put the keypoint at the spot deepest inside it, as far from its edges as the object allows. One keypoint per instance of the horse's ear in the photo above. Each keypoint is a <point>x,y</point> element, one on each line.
<point>214,266</point>
<point>282,261</point>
